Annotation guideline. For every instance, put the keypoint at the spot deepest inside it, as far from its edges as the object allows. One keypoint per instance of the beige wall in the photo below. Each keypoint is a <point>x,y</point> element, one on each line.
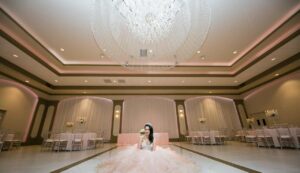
<point>282,94</point>
<point>19,103</point>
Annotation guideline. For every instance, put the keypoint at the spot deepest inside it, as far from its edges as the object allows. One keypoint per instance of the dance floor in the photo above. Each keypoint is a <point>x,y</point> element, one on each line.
<point>203,164</point>
<point>232,157</point>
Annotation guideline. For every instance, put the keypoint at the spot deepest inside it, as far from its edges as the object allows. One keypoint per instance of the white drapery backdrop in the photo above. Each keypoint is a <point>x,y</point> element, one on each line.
<point>159,111</point>
<point>219,112</point>
<point>96,111</point>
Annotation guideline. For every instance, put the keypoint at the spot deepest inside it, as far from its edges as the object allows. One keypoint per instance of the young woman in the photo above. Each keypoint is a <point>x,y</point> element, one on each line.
<point>147,140</point>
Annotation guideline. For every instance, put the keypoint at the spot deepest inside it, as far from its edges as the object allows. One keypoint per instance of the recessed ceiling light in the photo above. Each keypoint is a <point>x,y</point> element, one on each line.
<point>276,74</point>
<point>15,55</point>
<point>180,110</point>
<point>236,81</point>
<point>62,49</point>
<point>150,51</point>
<point>209,81</point>
<point>55,80</point>
<point>198,51</point>
<point>182,81</point>
<point>203,57</point>
<point>210,92</point>
<point>273,59</point>
<point>86,81</point>
<point>114,81</point>
<point>84,92</point>
<point>235,52</point>
<point>27,81</point>
<point>149,81</point>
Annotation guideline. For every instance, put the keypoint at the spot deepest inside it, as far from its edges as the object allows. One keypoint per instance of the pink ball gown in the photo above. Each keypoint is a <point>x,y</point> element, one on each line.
<point>131,159</point>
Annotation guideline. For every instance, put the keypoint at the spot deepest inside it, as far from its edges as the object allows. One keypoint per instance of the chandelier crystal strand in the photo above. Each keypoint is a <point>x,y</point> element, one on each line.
<point>150,35</point>
<point>148,20</point>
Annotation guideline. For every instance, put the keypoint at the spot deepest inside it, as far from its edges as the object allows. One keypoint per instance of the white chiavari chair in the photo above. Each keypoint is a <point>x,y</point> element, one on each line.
<point>268,138</point>
<point>298,135</point>
<point>188,137</point>
<point>77,141</point>
<point>199,138</point>
<point>219,137</point>
<point>260,138</point>
<point>251,136</point>
<point>285,138</point>
<point>1,140</point>
<point>48,141</point>
<point>96,140</point>
<point>8,141</point>
<point>206,138</point>
<point>60,142</point>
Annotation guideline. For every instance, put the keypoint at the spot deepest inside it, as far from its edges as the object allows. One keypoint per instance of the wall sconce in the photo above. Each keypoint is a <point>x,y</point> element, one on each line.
<point>202,120</point>
<point>81,120</point>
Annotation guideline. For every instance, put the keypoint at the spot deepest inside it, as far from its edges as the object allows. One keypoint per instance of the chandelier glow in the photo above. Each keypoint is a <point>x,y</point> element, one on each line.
<point>149,20</point>
<point>150,35</point>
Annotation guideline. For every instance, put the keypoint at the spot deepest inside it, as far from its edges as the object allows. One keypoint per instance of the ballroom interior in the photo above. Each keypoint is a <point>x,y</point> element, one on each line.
<point>219,82</point>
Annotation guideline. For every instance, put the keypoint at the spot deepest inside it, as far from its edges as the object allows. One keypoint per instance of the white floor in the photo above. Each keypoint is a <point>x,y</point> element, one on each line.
<point>266,160</point>
<point>30,159</point>
<point>204,164</point>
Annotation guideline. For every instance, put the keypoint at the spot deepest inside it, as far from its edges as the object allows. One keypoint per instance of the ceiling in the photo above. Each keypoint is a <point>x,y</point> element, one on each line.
<point>264,34</point>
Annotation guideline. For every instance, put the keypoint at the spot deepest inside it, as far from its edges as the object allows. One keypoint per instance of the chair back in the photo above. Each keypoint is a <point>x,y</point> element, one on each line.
<point>56,136</point>
<point>78,136</point>
<point>251,132</point>
<point>298,131</point>
<point>260,132</point>
<point>2,136</point>
<point>9,137</point>
<point>206,133</point>
<point>214,133</point>
<point>283,131</point>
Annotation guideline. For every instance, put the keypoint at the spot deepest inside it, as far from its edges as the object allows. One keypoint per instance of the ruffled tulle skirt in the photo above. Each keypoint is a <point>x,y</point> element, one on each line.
<point>130,159</point>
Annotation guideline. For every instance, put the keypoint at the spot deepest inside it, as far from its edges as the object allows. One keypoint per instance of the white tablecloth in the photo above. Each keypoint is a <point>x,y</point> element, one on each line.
<point>70,137</point>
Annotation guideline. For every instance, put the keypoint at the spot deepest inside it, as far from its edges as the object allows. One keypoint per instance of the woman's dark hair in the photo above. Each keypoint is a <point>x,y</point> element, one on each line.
<point>151,138</point>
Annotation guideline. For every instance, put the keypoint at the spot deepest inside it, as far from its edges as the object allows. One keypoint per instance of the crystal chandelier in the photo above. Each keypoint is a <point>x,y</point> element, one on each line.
<point>150,35</point>
<point>149,20</point>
